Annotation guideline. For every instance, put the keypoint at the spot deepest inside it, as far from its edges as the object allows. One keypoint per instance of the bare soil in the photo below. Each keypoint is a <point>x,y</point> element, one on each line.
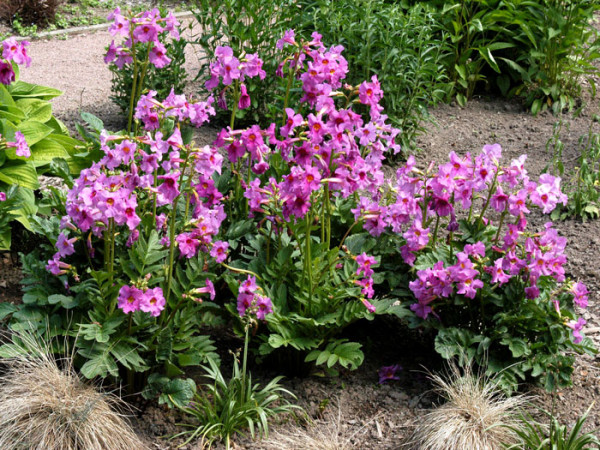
<point>353,409</point>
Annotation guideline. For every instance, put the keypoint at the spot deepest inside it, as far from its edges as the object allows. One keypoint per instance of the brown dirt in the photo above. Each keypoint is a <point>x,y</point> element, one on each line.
<point>371,416</point>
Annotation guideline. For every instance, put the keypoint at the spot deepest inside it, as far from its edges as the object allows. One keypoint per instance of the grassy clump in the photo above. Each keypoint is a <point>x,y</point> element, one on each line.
<point>45,407</point>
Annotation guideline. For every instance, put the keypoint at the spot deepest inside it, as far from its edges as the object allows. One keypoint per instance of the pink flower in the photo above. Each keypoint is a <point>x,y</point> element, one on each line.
<point>188,244</point>
<point>547,193</point>
<point>169,187</point>
<point>244,101</point>
<point>387,373</point>
<point>364,262</point>
<point>370,93</point>
<point>129,299</point>
<point>120,24</point>
<point>263,306</point>
<point>153,301</point>
<point>580,294</point>
<point>244,301</point>
<point>56,267</point>
<point>158,56</point>
<point>219,251</point>
<point>22,149</point>
<point>64,245</point>
<point>577,327</point>
<point>287,39</point>
<point>147,32</point>
<point>16,51</point>
<point>370,307</point>
<point>2,196</point>
<point>7,74</point>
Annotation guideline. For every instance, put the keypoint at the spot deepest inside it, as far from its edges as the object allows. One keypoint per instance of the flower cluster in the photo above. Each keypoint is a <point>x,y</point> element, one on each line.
<point>251,302</point>
<point>328,151</point>
<point>151,111</point>
<point>147,175</point>
<point>145,28</point>
<point>228,69</point>
<point>20,145</point>
<point>468,187</point>
<point>12,51</point>
<point>132,299</point>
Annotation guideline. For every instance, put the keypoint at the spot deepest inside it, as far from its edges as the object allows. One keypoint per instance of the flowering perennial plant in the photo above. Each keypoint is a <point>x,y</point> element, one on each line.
<point>298,181</point>
<point>490,285</point>
<point>144,42</point>
<point>146,217</point>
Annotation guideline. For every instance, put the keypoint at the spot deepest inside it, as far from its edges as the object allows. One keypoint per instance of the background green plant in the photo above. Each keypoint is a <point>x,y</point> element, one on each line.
<point>251,26</point>
<point>25,107</point>
<point>403,47</point>
<point>582,183</point>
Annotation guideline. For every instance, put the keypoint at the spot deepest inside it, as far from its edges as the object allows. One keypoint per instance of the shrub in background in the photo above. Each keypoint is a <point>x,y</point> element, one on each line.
<point>36,12</point>
<point>539,49</point>
<point>582,181</point>
<point>404,47</point>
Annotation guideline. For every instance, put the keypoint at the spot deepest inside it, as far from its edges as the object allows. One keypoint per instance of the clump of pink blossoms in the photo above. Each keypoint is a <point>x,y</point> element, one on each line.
<point>12,51</point>
<point>143,28</point>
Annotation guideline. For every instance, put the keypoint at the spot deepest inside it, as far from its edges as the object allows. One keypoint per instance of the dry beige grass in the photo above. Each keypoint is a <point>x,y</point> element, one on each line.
<point>476,415</point>
<point>328,433</point>
<point>44,407</point>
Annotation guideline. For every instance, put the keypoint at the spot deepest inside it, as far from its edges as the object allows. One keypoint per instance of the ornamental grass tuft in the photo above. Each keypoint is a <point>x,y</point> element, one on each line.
<point>43,406</point>
<point>476,415</point>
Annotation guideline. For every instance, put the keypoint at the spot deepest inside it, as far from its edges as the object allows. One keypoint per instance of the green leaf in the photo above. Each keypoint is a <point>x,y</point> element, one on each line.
<point>7,309</point>
<point>94,122</point>
<point>35,109</point>
<point>178,392</point>
<point>22,173</point>
<point>46,150</point>
<point>21,89</point>
<point>486,53</point>
<point>518,347</point>
<point>34,131</point>
<point>65,301</point>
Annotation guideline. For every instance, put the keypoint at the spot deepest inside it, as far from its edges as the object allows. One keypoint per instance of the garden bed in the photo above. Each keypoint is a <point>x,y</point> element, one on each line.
<point>370,416</point>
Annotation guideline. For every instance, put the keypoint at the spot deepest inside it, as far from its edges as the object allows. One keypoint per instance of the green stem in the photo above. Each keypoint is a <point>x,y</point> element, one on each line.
<point>287,92</point>
<point>244,365</point>
<point>238,270</point>
<point>172,232</point>
<point>307,258</point>
<point>435,231</point>
<point>236,98</point>
<point>134,85</point>
<point>500,225</point>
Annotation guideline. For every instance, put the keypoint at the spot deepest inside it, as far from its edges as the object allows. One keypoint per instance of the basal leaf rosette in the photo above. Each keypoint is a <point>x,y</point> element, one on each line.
<point>492,287</point>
